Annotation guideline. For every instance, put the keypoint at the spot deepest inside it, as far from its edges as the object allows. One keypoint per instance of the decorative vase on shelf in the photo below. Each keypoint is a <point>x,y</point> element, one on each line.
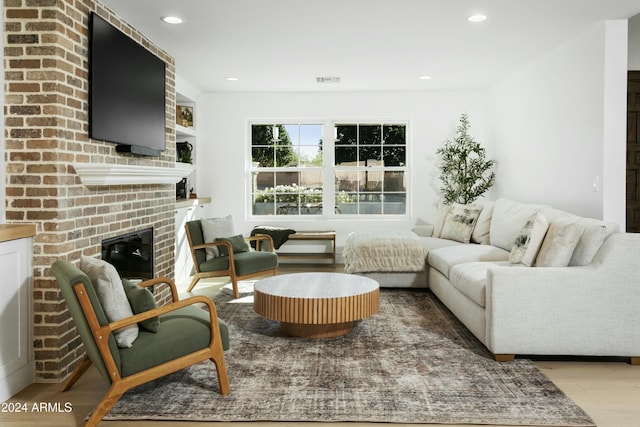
<point>184,150</point>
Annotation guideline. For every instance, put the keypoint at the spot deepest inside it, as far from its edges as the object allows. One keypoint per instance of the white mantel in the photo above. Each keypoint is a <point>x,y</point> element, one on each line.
<point>108,174</point>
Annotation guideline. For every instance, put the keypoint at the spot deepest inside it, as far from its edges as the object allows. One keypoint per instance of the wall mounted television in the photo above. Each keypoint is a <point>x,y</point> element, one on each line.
<point>126,91</point>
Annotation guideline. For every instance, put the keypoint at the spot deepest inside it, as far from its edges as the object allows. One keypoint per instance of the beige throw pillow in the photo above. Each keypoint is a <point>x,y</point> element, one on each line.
<point>108,286</point>
<point>460,223</point>
<point>529,240</point>
<point>481,232</point>
<point>588,245</point>
<point>558,246</point>
<point>443,211</point>
<point>216,228</point>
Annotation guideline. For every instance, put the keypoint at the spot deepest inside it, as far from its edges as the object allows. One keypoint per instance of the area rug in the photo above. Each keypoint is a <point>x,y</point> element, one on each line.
<point>412,362</point>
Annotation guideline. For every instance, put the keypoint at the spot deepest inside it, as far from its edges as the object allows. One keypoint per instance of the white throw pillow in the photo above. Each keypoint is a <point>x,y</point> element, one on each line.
<point>483,225</point>
<point>507,221</point>
<point>443,211</point>
<point>460,223</point>
<point>588,245</point>
<point>108,286</point>
<point>558,246</point>
<point>528,242</point>
<point>216,228</point>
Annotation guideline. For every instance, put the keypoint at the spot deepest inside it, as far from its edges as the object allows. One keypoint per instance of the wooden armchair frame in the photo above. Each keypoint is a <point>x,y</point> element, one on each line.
<point>231,271</point>
<point>119,384</point>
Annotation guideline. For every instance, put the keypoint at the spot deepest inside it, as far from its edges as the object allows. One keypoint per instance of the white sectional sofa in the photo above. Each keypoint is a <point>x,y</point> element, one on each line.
<point>526,279</point>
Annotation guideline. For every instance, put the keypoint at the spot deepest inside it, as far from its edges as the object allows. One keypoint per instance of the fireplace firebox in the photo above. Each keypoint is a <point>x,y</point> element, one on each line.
<point>131,254</point>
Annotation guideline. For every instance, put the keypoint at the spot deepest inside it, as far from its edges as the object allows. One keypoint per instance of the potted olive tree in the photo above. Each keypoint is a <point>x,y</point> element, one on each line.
<point>465,173</point>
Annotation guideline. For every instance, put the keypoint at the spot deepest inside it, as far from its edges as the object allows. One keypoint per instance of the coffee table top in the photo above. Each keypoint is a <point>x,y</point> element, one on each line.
<point>316,285</point>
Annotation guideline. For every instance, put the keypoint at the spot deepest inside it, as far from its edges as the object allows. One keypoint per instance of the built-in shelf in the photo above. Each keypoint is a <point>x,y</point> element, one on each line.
<point>186,203</point>
<point>185,131</point>
<point>105,174</point>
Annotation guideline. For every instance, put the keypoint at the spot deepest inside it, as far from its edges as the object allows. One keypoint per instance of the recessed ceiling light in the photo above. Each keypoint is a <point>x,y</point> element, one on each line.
<point>425,77</point>
<point>232,79</point>
<point>477,18</point>
<point>171,20</point>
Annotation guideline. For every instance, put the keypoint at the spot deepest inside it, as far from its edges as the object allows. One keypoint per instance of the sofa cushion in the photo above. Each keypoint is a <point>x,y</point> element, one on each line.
<point>442,259</point>
<point>470,278</point>
<point>528,242</point>
<point>431,243</point>
<point>483,225</point>
<point>507,220</point>
<point>181,332</point>
<point>559,244</point>
<point>245,262</point>
<point>460,223</point>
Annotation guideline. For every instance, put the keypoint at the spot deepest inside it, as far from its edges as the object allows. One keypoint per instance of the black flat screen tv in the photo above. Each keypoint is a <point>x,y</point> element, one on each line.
<point>126,91</point>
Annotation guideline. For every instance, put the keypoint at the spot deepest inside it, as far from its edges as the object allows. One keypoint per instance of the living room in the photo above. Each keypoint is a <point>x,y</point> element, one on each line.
<point>561,111</point>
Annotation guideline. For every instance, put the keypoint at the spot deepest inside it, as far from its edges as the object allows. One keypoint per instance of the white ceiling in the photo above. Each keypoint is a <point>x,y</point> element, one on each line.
<point>283,45</point>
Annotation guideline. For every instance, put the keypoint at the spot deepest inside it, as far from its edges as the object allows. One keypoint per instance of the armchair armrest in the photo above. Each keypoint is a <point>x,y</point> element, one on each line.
<point>258,238</point>
<point>211,244</point>
<point>198,299</point>
<point>162,280</point>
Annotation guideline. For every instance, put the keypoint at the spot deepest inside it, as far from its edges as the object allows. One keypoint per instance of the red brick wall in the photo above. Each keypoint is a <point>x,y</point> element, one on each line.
<point>46,133</point>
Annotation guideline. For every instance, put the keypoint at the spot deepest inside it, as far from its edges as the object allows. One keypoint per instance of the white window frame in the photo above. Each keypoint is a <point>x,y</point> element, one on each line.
<point>328,170</point>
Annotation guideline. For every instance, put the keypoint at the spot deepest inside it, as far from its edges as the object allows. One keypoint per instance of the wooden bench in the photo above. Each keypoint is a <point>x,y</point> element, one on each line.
<point>312,235</point>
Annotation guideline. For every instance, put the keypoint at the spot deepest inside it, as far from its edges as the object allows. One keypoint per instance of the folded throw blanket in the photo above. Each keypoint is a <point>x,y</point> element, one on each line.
<point>378,251</point>
<point>278,234</point>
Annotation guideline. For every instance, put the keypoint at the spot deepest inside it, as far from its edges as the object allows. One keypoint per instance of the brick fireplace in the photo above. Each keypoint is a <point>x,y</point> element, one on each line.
<point>46,127</point>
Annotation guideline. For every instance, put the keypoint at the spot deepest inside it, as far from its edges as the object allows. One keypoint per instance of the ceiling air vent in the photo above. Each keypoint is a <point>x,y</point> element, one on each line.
<point>327,79</point>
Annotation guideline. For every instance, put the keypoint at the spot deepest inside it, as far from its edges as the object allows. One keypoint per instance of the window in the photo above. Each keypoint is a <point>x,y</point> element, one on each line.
<point>360,170</point>
<point>287,163</point>
<point>370,169</point>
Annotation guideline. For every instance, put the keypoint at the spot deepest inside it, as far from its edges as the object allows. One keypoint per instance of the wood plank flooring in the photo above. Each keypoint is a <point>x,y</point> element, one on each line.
<point>608,390</point>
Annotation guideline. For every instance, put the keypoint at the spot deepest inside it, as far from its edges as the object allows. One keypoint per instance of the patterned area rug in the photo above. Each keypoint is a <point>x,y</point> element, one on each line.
<point>412,362</point>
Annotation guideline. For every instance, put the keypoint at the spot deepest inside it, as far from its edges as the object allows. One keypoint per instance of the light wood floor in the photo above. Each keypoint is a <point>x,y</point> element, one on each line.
<point>608,390</point>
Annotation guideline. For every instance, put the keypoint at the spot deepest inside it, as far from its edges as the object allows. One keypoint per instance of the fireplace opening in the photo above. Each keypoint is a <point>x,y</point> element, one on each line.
<point>131,254</point>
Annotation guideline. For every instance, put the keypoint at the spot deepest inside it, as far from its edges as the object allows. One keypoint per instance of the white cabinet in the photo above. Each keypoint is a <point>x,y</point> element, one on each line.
<point>186,211</point>
<point>17,366</point>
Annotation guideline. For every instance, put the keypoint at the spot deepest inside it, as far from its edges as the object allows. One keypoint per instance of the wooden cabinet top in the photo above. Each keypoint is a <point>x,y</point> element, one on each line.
<point>16,231</point>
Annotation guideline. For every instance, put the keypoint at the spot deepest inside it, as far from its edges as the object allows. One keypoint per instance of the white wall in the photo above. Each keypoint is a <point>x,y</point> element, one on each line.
<point>634,43</point>
<point>222,143</point>
<point>547,124</point>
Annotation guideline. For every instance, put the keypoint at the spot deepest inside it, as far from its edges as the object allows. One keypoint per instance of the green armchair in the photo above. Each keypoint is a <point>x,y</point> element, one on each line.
<point>186,335</point>
<point>238,266</point>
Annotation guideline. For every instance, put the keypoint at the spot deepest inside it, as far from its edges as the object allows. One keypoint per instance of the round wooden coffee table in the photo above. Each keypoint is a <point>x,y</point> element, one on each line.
<point>316,305</point>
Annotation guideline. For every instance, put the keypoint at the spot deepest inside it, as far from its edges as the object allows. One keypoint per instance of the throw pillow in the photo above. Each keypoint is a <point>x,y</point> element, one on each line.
<point>507,221</point>
<point>108,286</point>
<point>238,244</point>
<point>558,246</point>
<point>588,245</point>
<point>443,211</point>
<point>141,300</point>
<point>481,231</point>
<point>460,222</point>
<point>213,228</point>
<point>528,242</point>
